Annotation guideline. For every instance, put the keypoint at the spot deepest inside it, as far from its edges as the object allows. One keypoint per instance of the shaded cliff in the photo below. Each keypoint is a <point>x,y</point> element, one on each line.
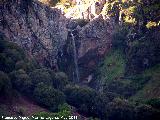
<point>95,39</point>
<point>41,31</point>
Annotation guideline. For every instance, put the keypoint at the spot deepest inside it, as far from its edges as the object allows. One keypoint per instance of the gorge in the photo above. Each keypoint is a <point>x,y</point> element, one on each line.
<point>95,59</point>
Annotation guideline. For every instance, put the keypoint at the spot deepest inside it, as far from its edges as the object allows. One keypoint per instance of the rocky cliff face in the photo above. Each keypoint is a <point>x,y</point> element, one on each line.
<point>45,34</point>
<point>82,9</point>
<point>95,35</point>
<point>41,31</point>
<point>95,42</point>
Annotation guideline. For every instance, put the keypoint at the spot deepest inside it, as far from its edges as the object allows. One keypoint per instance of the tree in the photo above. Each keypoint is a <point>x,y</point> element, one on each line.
<point>48,96</point>
<point>155,102</point>
<point>2,43</point>
<point>88,101</point>
<point>145,112</point>
<point>41,75</point>
<point>27,65</point>
<point>60,80</point>
<point>10,53</point>
<point>21,81</point>
<point>120,109</point>
<point>5,84</point>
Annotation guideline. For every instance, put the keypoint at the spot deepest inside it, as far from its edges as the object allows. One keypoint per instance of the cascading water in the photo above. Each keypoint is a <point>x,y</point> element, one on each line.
<point>75,59</point>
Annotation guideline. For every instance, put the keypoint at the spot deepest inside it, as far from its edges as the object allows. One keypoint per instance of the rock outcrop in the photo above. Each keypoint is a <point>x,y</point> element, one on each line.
<point>95,35</point>
<point>95,42</point>
<point>84,9</point>
<point>40,30</point>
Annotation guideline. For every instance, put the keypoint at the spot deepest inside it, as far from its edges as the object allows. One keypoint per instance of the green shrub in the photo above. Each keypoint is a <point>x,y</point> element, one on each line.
<point>64,107</point>
<point>20,65</point>
<point>145,112</point>
<point>64,111</point>
<point>3,110</point>
<point>5,84</point>
<point>14,46</point>
<point>120,109</point>
<point>10,53</point>
<point>21,81</point>
<point>79,95</point>
<point>61,115</point>
<point>87,100</point>
<point>6,63</point>
<point>155,102</point>
<point>120,38</point>
<point>21,111</point>
<point>113,66</point>
<point>48,96</point>
<point>41,75</point>
<point>27,65</point>
<point>60,80</point>
<point>13,54</point>
<point>44,115</point>
<point>2,43</point>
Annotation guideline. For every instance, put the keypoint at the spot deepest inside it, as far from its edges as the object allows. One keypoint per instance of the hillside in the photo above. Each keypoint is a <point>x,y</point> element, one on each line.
<point>93,60</point>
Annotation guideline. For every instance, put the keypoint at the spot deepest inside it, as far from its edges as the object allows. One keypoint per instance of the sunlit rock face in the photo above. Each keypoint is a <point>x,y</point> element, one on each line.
<point>85,9</point>
<point>40,30</point>
<point>96,34</point>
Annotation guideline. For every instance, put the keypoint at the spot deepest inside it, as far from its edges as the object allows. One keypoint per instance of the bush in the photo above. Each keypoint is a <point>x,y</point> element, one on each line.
<point>6,64</point>
<point>61,115</point>
<point>145,112</point>
<point>10,53</point>
<point>20,65</point>
<point>48,96</point>
<point>2,43</point>
<point>78,95</point>
<point>120,38</point>
<point>88,101</point>
<point>64,111</point>
<point>60,80</point>
<point>121,87</point>
<point>13,54</point>
<point>21,111</point>
<point>5,84</point>
<point>3,110</point>
<point>64,107</point>
<point>44,115</point>
<point>154,103</point>
<point>27,65</point>
<point>113,66</point>
<point>41,75</point>
<point>120,109</point>
<point>21,81</point>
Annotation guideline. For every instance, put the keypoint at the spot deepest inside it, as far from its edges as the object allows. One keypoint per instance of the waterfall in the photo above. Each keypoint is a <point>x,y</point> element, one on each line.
<point>75,59</point>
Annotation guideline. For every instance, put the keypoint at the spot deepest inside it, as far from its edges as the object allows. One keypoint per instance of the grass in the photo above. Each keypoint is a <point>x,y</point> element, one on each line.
<point>141,87</point>
<point>152,88</point>
<point>113,66</point>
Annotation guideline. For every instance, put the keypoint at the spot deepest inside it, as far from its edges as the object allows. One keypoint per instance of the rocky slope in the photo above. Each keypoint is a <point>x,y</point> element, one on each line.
<point>41,31</point>
<point>44,33</point>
